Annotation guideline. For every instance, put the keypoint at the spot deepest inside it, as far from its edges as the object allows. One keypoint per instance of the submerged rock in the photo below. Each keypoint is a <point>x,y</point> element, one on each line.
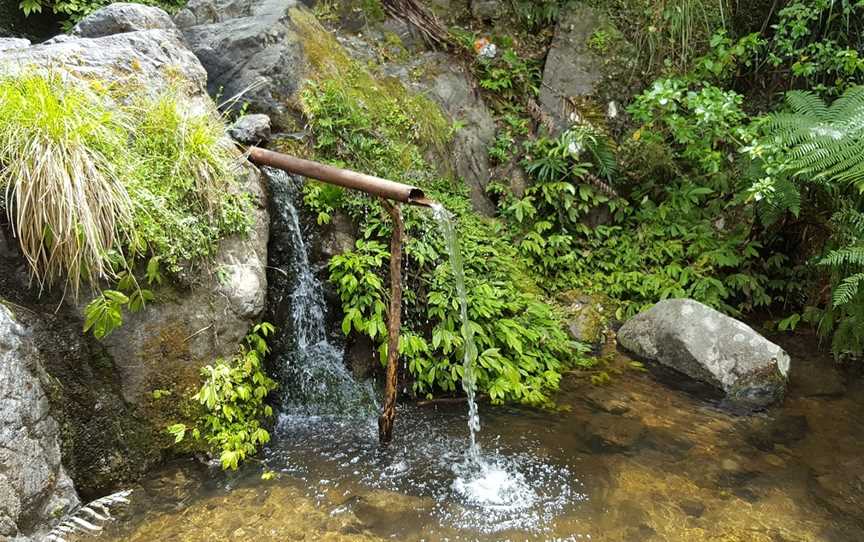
<point>34,486</point>
<point>712,348</point>
<point>122,17</point>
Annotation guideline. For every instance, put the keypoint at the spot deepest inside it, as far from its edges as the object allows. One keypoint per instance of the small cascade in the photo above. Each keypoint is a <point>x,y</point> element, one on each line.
<point>327,425</point>
<point>314,377</point>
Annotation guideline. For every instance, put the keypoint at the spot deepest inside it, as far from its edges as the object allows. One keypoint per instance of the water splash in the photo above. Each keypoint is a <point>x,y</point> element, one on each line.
<point>492,487</point>
<point>315,379</point>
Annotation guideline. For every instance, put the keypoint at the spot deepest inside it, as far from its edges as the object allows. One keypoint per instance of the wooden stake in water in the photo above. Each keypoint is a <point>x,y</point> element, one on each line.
<point>394,323</point>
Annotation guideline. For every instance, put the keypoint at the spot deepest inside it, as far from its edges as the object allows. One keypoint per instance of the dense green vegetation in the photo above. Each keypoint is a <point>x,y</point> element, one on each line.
<point>108,195</point>
<point>717,188</point>
<point>233,402</point>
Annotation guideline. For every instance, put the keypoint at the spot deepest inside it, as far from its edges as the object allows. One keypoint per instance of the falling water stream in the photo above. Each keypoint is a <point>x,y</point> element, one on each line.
<point>469,379</point>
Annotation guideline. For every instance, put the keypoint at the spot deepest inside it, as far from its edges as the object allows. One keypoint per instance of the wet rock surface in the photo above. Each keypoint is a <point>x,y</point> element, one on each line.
<point>34,486</point>
<point>251,129</point>
<point>588,316</point>
<point>710,348</point>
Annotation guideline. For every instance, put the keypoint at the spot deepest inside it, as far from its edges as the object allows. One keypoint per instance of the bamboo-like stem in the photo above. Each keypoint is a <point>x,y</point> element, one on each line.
<point>394,323</point>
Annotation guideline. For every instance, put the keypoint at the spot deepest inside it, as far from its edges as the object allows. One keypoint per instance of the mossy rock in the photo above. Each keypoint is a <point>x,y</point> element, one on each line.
<point>588,315</point>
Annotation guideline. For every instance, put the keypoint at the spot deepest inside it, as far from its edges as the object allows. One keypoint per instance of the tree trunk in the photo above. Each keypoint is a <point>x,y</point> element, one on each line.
<point>426,22</point>
<point>394,324</point>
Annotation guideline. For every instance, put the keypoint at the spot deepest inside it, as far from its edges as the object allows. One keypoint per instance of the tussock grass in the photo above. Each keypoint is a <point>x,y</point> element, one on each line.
<point>59,151</point>
<point>92,184</point>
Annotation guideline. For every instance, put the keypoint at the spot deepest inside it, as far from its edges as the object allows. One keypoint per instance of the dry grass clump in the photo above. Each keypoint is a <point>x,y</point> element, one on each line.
<point>92,186</point>
<point>61,166</point>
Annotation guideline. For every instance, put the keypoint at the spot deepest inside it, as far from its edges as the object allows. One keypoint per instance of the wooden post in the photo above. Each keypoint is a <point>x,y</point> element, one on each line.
<point>394,323</point>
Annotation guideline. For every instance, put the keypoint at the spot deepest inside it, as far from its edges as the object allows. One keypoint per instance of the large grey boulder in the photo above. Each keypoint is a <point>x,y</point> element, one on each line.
<point>710,347</point>
<point>34,487</point>
<point>248,48</point>
<point>145,57</point>
<point>199,319</point>
<point>7,44</point>
<point>122,17</point>
<point>572,69</point>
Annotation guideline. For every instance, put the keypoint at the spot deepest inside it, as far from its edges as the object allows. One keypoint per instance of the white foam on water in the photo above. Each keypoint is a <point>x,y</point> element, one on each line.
<point>494,487</point>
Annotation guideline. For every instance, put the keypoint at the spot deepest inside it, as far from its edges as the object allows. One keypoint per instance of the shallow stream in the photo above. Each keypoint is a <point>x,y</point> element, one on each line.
<point>633,460</point>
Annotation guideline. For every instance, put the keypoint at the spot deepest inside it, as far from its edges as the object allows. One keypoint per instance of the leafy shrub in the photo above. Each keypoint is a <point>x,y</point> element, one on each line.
<point>95,190</point>
<point>233,397</point>
<point>812,159</point>
<point>820,42</point>
<point>536,13</point>
<point>703,121</point>
<point>65,194</point>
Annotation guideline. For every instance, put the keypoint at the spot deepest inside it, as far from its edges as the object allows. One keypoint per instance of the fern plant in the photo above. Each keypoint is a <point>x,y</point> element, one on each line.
<point>843,315</point>
<point>817,149</point>
<point>825,142</point>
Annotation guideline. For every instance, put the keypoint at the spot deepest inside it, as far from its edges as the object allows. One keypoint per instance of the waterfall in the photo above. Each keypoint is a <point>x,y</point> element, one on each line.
<point>315,379</point>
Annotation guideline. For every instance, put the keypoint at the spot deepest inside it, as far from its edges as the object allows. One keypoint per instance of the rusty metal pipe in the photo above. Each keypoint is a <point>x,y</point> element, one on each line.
<point>342,177</point>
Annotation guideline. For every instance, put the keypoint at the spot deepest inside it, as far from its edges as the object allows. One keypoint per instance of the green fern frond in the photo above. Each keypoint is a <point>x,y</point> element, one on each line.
<point>846,256</point>
<point>824,142</point>
<point>808,104</point>
<point>846,291</point>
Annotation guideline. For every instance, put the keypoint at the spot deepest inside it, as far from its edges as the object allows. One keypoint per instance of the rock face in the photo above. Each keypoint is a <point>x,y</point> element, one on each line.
<point>447,84</point>
<point>486,9</point>
<point>167,344</point>
<point>141,56</point>
<point>34,486</point>
<point>248,48</point>
<point>572,69</point>
<point>120,18</point>
<point>251,129</point>
<point>113,426</point>
<point>710,347</point>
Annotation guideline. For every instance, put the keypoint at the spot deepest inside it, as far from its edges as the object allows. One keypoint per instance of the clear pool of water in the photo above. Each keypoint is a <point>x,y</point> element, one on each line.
<point>632,461</point>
